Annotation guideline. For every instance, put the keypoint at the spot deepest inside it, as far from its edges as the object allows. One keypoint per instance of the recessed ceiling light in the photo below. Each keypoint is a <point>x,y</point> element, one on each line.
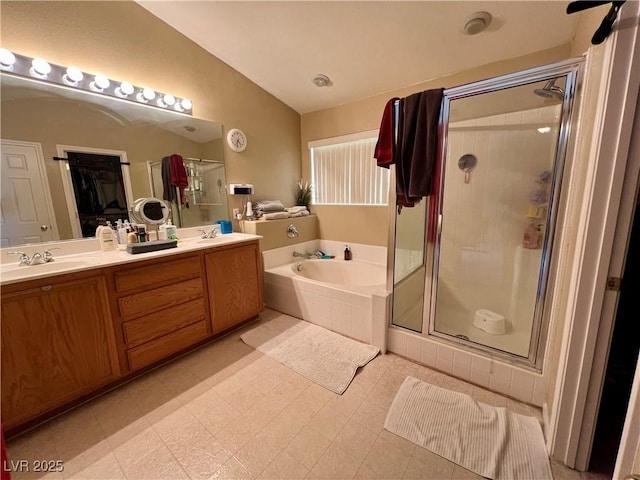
<point>321,80</point>
<point>477,23</point>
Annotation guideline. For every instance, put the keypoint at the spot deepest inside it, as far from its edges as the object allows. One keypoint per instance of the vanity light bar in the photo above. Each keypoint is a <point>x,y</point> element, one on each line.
<point>72,77</point>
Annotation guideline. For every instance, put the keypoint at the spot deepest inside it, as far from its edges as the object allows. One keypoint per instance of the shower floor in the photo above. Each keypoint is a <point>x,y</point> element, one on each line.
<point>456,323</point>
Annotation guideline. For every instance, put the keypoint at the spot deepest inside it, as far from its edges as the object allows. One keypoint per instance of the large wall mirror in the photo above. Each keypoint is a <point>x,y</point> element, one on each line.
<point>114,142</point>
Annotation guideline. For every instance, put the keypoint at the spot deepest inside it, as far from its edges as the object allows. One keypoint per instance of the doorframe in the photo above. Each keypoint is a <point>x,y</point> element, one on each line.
<point>589,314</point>
<point>44,178</point>
<point>67,182</point>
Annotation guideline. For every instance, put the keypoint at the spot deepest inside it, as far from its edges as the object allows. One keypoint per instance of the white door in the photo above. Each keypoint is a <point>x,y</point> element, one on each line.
<point>25,209</point>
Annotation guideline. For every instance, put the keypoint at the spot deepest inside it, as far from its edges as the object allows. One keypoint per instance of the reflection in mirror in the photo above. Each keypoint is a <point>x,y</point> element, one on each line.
<point>42,121</point>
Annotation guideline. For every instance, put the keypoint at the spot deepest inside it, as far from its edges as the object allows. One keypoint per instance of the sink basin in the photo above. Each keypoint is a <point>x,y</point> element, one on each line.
<point>13,272</point>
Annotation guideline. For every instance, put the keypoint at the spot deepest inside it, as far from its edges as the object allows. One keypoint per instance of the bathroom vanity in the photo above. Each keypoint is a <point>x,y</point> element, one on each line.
<point>68,336</point>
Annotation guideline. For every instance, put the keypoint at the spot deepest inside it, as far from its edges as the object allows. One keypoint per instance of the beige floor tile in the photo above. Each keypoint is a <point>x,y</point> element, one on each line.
<point>460,473</point>
<point>334,464</point>
<point>308,446</point>
<point>198,452</point>
<point>106,468</point>
<point>365,473</point>
<point>561,472</point>
<point>284,467</point>
<point>256,455</point>
<point>328,422</point>
<point>355,440</point>
<point>457,385</point>
<point>237,433</point>
<point>404,366</point>
<point>212,411</point>
<point>83,459</point>
<point>397,441</point>
<point>371,416</point>
<point>232,470</point>
<point>490,398</point>
<point>282,429</point>
<point>347,403</point>
<point>131,451</point>
<point>386,459</point>
<point>430,376</point>
<point>309,402</point>
<point>426,464</point>
<point>156,464</point>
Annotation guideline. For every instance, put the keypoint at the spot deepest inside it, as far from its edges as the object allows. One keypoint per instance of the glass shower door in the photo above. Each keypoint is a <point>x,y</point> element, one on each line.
<point>501,170</point>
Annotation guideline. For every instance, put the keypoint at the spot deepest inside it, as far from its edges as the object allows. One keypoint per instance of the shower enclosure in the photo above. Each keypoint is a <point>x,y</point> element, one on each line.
<point>474,262</point>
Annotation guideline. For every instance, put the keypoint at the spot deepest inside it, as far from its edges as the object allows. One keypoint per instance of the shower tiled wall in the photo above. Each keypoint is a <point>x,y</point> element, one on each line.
<point>484,220</point>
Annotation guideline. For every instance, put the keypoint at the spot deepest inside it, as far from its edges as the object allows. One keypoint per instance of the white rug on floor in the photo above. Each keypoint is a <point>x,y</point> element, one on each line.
<point>322,356</point>
<point>490,441</point>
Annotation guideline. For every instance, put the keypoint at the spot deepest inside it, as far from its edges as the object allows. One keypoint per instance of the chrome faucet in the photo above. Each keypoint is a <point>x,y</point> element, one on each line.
<point>317,254</point>
<point>36,259</point>
<point>302,255</point>
<point>210,234</point>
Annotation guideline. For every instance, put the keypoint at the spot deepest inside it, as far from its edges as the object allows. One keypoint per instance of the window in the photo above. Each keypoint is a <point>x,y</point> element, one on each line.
<point>344,172</point>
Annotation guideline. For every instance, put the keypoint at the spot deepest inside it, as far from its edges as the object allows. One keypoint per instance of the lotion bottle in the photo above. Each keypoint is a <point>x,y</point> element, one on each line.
<point>107,239</point>
<point>347,252</point>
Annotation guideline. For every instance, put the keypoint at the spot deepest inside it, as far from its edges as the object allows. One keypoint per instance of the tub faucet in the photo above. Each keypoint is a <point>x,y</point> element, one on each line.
<point>298,254</point>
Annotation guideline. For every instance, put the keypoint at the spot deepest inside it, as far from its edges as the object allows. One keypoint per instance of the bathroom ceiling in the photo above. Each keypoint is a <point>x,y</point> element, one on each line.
<point>366,48</point>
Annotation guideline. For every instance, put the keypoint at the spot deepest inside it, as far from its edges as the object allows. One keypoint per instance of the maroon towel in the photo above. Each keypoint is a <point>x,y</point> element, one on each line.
<point>417,146</point>
<point>179,175</point>
<point>385,147</point>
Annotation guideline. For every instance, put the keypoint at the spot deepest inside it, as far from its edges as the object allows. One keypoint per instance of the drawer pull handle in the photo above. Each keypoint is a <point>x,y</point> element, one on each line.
<point>46,288</point>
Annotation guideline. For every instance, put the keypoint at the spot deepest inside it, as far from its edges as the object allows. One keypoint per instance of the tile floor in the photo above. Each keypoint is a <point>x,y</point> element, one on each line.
<point>227,411</point>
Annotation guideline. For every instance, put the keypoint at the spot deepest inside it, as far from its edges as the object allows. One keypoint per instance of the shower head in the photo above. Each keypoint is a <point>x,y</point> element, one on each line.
<point>550,90</point>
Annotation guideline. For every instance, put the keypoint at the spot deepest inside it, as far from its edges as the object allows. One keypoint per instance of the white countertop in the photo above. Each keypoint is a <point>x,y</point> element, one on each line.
<point>13,273</point>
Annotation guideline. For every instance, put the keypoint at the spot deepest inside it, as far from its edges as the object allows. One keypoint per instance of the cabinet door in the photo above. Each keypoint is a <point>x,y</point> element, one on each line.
<point>57,345</point>
<point>235,289</point>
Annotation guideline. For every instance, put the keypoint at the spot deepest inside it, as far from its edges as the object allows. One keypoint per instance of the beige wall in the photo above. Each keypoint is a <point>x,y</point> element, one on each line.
<point>369,225</point>
<point>124,41</point>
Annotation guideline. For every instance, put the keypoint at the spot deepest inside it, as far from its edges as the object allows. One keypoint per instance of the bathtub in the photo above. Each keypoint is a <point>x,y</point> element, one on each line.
<point>349,298</point>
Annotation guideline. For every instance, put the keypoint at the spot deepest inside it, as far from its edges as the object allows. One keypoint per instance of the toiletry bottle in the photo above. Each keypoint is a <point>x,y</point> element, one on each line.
<point>530,239</point>
<point>107,239</point>
<point>162,232</point>
<point>142,234</point>
<point>249,210</point>
<point>172,232</point>
<point>347,252</point>
<point>132,237</point>
<point>122,234</point>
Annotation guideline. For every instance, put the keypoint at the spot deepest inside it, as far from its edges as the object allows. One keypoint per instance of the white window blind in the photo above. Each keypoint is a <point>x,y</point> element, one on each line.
<point>345,173</point>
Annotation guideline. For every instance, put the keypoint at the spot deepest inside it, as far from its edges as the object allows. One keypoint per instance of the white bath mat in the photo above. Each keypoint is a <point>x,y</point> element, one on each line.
<point>324,357</point>
<point>490,441</point>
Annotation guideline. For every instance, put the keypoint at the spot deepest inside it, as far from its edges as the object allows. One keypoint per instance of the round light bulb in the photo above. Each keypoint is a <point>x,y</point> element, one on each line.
<point>73,76</point>
<point>124,90</point>
<point>148,94</point>
<point>7,59</point>
<point>101,81</point>
<point>186,104</point>
<point>41,67</point>
<point>168,100</point>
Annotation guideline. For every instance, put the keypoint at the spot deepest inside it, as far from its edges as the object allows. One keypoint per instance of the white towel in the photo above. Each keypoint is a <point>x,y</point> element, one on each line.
<point>301,213</point>
<point>297,209</point>
<point>276,215</point>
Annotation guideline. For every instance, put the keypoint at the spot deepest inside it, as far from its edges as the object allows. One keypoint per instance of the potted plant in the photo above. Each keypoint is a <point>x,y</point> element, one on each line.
<point>303,193</point>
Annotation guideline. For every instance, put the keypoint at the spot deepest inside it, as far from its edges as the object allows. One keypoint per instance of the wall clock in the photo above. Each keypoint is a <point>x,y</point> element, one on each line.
<point>237,140</point>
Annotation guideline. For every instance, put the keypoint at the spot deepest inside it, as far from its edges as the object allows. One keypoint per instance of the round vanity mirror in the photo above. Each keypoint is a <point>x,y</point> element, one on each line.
<point>150,210</point>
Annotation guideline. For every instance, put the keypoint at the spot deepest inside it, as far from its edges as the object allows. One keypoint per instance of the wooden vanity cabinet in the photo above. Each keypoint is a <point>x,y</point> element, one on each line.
<point>161,309</point>
<point>234,284</point>
<point>57,344</point>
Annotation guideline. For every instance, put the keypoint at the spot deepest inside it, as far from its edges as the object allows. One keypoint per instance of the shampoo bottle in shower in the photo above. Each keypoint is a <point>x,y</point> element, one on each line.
<point>530,239</point>
<point>347,252</point>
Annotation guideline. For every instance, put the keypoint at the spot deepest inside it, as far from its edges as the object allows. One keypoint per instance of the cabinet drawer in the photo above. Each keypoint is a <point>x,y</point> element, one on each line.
<point>166,272</point>
<point>144,303</point>
<point>163,322</point>
<point>162,347</point>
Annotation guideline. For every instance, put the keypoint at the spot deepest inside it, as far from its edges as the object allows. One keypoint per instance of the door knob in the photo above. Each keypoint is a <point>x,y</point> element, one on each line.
<point>44,228</point>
